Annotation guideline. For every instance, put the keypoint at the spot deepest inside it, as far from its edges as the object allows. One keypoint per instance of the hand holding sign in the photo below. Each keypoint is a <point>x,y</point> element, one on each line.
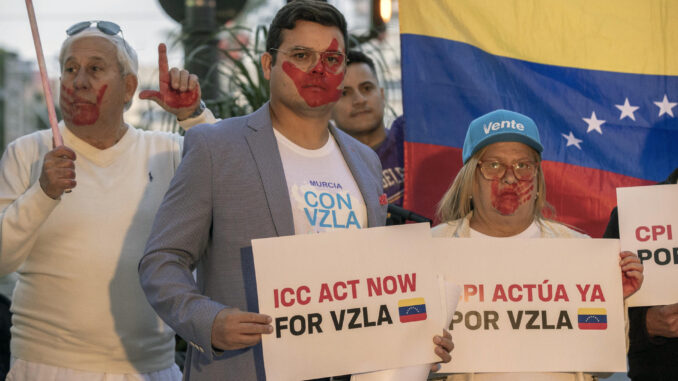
<point>444,346</point>
<point>632,273</point>
<point>179,90</point>
<point>235,329</point>
<point>662,320</point>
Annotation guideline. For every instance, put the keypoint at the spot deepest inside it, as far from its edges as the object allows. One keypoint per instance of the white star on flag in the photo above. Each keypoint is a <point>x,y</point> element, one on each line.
<point>572,141</point>
<point>665,107</point>
<point>627,110</point>
<point>594,123</point>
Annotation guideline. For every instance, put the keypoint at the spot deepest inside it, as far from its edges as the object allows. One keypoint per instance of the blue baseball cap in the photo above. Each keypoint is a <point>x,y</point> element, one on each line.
<point>500,126</point>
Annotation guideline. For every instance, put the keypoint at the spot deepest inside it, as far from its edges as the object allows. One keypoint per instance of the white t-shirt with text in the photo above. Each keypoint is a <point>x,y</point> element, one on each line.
<point>323,192</point>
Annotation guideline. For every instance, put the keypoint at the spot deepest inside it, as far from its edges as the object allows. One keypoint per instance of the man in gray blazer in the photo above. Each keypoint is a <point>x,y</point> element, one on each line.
<point>278,171</point>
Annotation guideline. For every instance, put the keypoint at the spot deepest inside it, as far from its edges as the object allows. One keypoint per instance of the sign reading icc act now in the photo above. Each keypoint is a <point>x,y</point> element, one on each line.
<point>367,297</point>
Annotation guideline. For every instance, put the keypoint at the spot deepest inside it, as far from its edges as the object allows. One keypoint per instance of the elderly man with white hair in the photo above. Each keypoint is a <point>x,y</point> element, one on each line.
<point>75,218</point>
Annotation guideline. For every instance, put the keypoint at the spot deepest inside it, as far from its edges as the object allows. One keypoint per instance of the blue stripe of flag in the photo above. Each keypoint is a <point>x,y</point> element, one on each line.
<point>446,84</point>
<point>411,310</point>
<point>592,319</point>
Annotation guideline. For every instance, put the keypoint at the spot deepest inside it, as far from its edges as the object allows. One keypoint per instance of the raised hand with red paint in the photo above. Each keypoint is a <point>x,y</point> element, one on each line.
<point>179,91</point>
<point>58,172</point>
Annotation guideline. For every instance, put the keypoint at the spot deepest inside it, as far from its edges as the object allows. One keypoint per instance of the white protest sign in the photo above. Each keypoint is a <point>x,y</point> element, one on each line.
<point>648,226</point>
<point>535,305</point>
<point>348,302</point>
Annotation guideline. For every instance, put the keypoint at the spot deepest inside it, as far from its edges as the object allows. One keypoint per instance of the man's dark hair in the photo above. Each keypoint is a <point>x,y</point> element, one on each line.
<point>356,56</point>
<point>308,10</point>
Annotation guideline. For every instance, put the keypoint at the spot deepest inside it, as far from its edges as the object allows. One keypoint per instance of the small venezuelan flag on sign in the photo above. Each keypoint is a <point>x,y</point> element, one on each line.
<point>592,318</point>
<point>413,309</point>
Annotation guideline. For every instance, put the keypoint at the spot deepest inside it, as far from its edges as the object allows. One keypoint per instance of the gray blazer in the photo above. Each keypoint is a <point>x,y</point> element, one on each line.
<point>230,188</point>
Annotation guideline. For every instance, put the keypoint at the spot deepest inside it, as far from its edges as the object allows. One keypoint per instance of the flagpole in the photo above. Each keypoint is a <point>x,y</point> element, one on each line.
<point>56,135</point>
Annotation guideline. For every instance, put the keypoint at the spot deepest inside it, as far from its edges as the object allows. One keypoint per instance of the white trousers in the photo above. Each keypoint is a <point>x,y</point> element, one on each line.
<point>22,370</point>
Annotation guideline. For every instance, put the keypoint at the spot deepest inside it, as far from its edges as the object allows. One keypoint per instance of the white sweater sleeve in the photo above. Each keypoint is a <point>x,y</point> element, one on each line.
<point>205,117</point>
<point>24,205</point>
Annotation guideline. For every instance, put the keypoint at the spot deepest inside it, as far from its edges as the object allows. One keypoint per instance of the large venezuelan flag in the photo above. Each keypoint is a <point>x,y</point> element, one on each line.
<point>600,79</point>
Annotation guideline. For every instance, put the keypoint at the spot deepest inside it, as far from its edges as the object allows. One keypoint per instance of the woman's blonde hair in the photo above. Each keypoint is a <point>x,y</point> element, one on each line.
<point>457,201</point>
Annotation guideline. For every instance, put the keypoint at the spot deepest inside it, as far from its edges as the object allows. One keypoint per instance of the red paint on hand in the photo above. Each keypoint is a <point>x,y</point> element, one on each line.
<point>79,110</point>
<point>170,97</point>
<point>319,86</point>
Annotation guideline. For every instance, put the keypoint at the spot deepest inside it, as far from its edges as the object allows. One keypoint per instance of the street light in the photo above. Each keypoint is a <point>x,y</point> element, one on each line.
<point>385,10</point>
<point>381,15</point>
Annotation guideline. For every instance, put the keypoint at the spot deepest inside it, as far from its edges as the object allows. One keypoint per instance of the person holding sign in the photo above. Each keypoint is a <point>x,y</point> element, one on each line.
<point>75,219</point>
<point>279,171</point>
<point>500,193</point>
<point>653,332</point>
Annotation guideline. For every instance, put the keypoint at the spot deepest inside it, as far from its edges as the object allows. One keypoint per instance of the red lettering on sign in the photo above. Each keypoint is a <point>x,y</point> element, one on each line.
<point>471,290</point>
<point>639,231</point>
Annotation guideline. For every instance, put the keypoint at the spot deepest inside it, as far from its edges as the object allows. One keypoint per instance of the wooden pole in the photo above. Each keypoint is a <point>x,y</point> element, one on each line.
<point>56,135</point>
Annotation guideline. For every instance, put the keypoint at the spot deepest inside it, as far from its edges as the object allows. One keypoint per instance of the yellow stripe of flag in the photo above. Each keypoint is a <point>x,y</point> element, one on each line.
<point>629,36</point>
<point>591,311</point>
<point>410,302</point>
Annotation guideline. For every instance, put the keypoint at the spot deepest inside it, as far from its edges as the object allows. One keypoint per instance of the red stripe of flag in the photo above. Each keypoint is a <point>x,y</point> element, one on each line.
<point>592,325</point>
<point>583,197</point>
<point>413,317</point>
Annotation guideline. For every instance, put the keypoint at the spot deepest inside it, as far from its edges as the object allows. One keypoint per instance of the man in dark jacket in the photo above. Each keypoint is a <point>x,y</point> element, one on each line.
<point>653,354</point>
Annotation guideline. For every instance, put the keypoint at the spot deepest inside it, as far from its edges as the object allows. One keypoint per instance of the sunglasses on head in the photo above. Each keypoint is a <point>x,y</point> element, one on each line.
<point>107,27</point>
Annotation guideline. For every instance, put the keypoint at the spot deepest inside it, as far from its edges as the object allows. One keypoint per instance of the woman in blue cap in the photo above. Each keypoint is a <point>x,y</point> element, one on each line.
<point>500,192</point>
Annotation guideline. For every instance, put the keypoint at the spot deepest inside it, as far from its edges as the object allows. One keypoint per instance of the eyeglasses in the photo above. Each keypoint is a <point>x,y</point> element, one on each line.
<point>107,27</point>
<point>495,170</point>
<point>306,58</point>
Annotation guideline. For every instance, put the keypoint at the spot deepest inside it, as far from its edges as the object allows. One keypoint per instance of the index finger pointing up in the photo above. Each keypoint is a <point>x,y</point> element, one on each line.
<point>163,67</point>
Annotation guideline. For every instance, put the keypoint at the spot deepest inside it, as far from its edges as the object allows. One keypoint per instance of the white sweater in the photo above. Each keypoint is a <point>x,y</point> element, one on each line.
<point>78,303</point>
